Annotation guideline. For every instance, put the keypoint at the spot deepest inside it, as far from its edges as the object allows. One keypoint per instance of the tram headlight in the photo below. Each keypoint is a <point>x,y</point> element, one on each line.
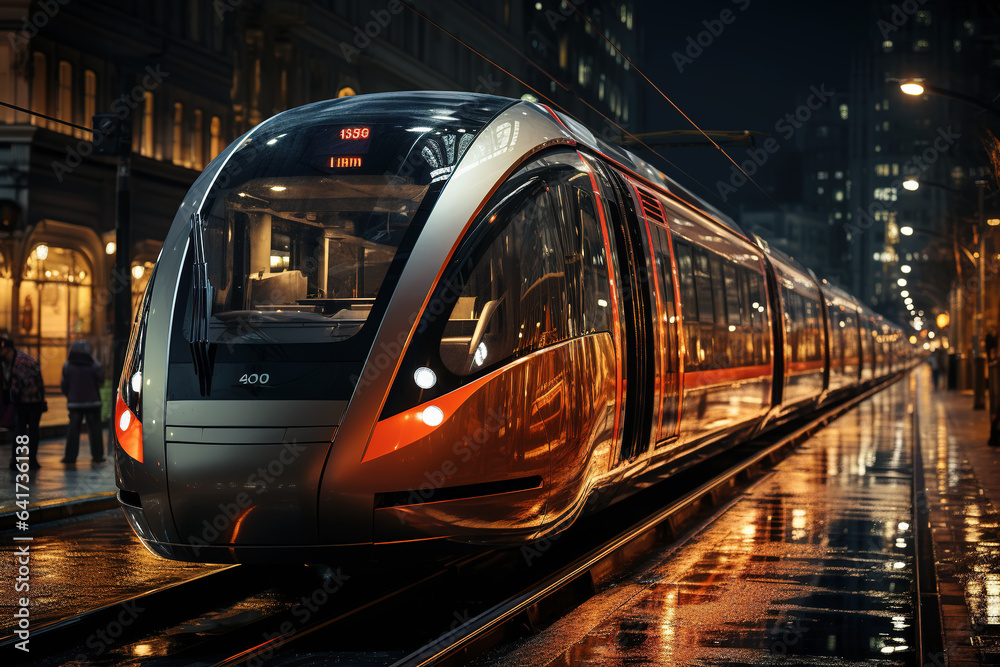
<point>128,407</point>
<point>128,430</point>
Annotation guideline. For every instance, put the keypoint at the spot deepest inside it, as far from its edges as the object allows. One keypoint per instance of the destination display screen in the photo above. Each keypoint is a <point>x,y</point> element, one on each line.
<point>354,140</point>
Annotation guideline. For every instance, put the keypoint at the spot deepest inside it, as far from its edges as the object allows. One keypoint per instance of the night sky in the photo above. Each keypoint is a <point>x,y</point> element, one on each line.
<point>749,76</point>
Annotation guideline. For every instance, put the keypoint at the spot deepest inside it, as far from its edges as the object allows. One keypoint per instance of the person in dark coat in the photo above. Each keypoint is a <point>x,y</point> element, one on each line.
<point>22,382</point>
<point>82,376</point>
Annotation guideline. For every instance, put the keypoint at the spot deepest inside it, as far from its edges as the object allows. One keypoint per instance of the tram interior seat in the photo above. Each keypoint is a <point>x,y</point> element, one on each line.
<point>278,289</point>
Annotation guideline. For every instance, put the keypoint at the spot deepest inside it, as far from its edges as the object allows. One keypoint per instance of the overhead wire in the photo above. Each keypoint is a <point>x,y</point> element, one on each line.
<point>664,95</point>
<point>546,97</point>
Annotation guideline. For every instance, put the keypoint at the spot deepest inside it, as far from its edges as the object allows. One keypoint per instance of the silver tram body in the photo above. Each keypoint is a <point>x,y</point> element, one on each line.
<point>443,316</point>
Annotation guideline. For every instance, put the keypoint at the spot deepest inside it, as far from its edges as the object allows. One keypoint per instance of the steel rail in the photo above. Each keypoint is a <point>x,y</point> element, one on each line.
<point>478,630</point>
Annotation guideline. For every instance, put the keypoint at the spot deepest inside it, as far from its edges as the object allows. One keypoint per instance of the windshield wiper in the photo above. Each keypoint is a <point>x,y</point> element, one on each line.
<point>201,307</point>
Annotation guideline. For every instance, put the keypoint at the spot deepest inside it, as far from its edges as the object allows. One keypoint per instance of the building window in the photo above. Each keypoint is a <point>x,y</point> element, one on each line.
<point>921,45</point>
<point>838,195</point>
<point>923,17</point>
<point>895,169</point>
<point>838,175</point>
<point>146,147</point>
<point>39,87</point>
<point>215,128</point>
<point>89,98</point>
<point>885,194</point>
<point>843,111</point>
<point>64,102</point>
<point>196,141</point>
<point>822,175</point>
<point>887,45</point>
<point>56,306</point>
<point>957,44</point>
<point>885,126</point>
<point>177,155</point>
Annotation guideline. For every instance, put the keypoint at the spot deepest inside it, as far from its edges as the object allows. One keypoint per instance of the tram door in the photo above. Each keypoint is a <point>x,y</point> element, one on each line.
<point>636,284</point>
<point>665,330</point>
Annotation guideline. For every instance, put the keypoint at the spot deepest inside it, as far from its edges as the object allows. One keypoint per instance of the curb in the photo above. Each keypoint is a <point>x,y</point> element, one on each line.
<point>61,509</point>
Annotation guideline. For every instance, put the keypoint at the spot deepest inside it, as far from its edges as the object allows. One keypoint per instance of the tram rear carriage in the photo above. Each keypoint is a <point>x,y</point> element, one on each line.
<point>424,316</point>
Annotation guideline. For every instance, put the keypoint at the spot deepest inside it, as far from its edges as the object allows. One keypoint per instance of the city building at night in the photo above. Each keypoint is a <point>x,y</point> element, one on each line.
<point>193,76</point>
<point>931,139</point>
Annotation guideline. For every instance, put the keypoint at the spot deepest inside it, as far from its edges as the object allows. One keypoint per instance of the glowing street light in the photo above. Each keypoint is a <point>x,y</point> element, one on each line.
<point>901,282</point>
<point>906,230</point>
<point>905,268</point>
<point>911,184</point>
<point>904,293</point>
<point>912,87</point>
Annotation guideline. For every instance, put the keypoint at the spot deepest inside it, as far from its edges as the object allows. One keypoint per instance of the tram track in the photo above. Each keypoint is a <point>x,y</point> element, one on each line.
<point>559,578</point>
<point>441,612</point>
<point>547,599</point>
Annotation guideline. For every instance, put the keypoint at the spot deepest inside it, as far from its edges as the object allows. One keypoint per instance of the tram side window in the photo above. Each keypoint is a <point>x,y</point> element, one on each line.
<point>541,276</point>
<point>814,331</point>
<point>586,264</point>
<point>667,288</point>
<point>689,305</point>
<point>515,299</point>
<point>734,324</point>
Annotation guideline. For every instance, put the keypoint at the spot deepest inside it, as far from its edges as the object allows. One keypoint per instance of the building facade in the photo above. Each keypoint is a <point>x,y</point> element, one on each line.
<point>192,76</point>
<point>936,141</point>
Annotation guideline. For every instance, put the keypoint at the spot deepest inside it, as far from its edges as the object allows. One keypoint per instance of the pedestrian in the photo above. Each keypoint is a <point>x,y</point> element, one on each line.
<point>935,360</point>
<point>991,344</point>
<point>22,381</point>
<point>82,376</point>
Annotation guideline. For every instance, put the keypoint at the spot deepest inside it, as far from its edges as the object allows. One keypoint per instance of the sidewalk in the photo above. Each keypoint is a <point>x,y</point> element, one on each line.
<point>58,490</point>
<point>962,486</point>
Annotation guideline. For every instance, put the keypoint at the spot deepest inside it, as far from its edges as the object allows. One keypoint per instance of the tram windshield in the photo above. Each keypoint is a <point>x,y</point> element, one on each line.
<point>306,230</point>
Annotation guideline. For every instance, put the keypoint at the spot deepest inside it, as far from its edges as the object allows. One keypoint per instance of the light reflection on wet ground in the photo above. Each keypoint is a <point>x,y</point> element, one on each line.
<point>812,566</point>
<point>79,565</point>
<point>964,524</point>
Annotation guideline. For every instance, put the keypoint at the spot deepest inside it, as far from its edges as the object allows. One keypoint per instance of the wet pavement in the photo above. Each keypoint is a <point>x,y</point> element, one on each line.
<point>813,565</point>
<point>79,565</point>
<point>963,488</point>
<point>57,481</point>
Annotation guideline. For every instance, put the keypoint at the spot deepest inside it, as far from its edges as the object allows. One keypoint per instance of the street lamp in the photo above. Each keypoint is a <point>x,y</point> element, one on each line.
<point>919,87</point>
<point>978,259</point>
